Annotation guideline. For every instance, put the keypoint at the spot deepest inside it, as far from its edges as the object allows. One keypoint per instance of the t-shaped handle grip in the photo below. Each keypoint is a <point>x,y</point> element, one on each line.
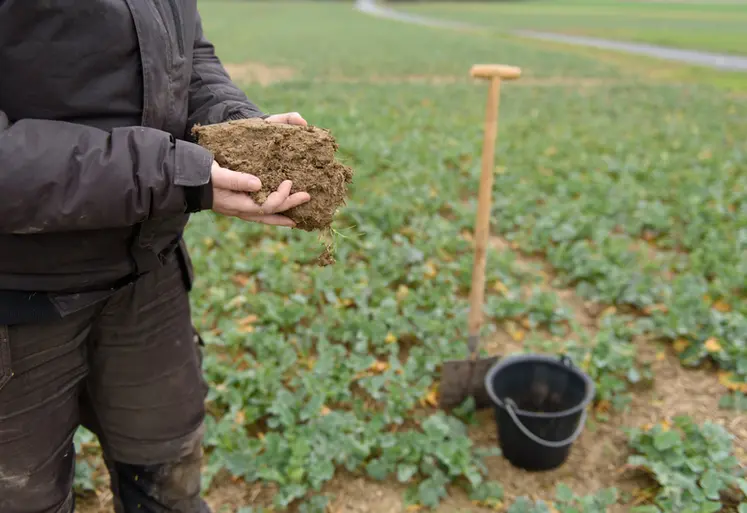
<point>490,71</point>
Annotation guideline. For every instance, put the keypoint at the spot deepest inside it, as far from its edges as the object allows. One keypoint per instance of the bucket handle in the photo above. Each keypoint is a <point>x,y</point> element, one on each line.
<point>510,405</point>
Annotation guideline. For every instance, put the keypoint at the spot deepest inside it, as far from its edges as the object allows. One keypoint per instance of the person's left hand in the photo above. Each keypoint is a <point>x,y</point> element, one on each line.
<point>289,118</point>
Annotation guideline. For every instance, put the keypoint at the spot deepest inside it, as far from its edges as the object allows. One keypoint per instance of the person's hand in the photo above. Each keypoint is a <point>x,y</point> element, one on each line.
<point>289,118</point>
<point>230,198</point>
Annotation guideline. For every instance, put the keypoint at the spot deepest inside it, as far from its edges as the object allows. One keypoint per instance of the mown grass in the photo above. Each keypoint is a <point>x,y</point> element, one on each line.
<point>698,26</point>
<point>633,191</point>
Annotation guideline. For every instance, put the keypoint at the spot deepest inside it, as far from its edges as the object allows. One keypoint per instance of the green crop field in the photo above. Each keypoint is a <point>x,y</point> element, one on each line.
<point>618,237</point>
<point>717,27</point>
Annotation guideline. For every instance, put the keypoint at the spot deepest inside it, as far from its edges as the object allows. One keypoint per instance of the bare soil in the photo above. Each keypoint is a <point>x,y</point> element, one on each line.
<point>277,152</point>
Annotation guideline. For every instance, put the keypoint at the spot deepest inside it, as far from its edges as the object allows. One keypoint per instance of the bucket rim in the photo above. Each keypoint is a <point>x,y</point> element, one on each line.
<point>507,361</point>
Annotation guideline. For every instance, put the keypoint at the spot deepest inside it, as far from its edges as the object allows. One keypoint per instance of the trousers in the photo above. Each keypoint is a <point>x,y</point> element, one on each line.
<point>130,370</point>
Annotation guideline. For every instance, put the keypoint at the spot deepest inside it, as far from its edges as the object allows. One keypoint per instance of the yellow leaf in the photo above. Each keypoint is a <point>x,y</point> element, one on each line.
<point>603,406</point>
<point>661,356</point>
<point>500,287</point>
<point>308,362</point>
<point>586,362</point>
<point>430,270</point>
<point>722,306</point>
<point>430,399</point>
<point>665,425</point>
<point>241,280</point>
<point>237,301</point>
<point>515,332</point>
<point>552,150</point>
<point>249,319</point>
<point>402,292</point>
<point>608,311</point>
<point>727,379</point>
<point>325,411</point>
<point>414,507</point>
<point>655,308</point>
<point>390,338</point>
<point>240,418</point>
<point>379,366</point>
<point>208,242</point>
<point>499,170</point>
<point>712,345</point>
<point>680,345</point>
<point>433,192</point>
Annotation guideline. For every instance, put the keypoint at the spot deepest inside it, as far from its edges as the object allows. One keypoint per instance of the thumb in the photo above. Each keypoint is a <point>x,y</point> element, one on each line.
<point>240,182</point>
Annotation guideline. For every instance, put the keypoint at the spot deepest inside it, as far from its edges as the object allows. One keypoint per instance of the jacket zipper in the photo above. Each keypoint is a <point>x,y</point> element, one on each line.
<point>178,24</point>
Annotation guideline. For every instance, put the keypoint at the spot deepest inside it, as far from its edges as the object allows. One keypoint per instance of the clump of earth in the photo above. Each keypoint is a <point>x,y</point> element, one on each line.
<point>276,152</point>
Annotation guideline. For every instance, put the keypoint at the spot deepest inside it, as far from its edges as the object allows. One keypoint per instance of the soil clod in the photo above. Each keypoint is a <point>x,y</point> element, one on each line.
<point>276,152</point>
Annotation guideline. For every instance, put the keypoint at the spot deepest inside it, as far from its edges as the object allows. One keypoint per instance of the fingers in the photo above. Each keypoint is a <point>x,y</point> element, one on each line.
<point>289,118</point>
<point>277,198</point>
<point>234,181</point>
<point>273,219</point>
<point>294,200</point>
<point>240,204</point>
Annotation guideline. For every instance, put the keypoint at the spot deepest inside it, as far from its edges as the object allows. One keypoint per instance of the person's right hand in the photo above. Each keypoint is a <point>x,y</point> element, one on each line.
<point>230,198</point>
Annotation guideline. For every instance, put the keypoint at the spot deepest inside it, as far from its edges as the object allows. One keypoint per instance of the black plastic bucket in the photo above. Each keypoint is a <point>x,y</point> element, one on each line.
<point>540,408</point>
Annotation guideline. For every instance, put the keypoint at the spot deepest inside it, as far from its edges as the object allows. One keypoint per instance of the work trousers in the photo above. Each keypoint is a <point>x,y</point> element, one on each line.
<point>128,369</point>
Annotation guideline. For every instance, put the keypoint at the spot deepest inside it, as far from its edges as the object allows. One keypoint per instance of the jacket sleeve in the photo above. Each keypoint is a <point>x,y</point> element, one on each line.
<point>213,97</point>
<point>57,176</point>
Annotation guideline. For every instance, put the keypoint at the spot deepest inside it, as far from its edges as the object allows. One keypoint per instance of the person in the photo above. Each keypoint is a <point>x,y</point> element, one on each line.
<point>99,176</point>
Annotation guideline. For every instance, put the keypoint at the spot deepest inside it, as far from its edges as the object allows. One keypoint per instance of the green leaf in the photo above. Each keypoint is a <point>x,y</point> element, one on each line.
<point>563,493</point>
<point>379,469</point>
<point>711,507</point>
<point>711,484</point>
<point>649,508</point>
<point>608,496</point>
<point>431,491</point>
<point>405,472</point>
<point>742,484</point>
<point>666,440</point>
<point>743,507</point>
<point>487,491</point>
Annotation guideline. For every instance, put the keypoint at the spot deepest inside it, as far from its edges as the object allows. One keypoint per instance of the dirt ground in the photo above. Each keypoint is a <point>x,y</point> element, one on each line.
<point>597,459</point>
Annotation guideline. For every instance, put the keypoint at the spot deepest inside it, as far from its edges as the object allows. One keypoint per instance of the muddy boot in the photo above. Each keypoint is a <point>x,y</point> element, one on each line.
<point>161,488</point>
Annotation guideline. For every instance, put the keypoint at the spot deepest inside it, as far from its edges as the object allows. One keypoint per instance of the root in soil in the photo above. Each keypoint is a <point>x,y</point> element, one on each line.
<point>276,152</point>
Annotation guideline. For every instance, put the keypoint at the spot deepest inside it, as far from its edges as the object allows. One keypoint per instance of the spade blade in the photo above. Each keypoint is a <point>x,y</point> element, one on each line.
<point>461,379</point>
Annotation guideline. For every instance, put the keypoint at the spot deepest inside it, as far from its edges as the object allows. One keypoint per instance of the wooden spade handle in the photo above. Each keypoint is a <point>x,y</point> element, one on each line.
<point>482,225</point>
<point>490,71</point>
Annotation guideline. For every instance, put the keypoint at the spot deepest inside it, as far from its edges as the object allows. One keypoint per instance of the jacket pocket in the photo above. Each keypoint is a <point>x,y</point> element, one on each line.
<point>178,26</point>
<point>5,370</point>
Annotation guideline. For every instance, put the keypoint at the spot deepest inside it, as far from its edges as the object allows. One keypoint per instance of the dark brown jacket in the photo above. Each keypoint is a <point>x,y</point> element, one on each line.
<point>97,172</point>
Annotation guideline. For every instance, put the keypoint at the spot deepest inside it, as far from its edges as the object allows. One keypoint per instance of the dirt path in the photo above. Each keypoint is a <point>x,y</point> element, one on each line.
<point>693,57</point>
